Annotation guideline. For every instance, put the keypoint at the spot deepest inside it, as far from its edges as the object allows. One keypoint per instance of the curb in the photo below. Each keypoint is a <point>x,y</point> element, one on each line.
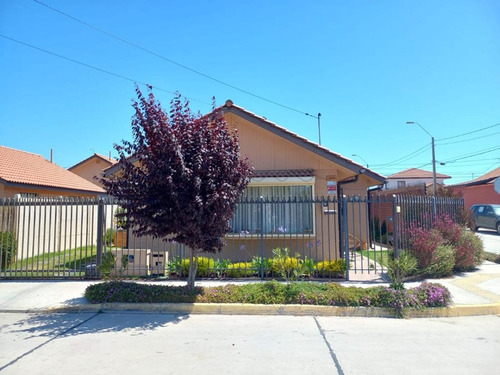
<point>251,309</point>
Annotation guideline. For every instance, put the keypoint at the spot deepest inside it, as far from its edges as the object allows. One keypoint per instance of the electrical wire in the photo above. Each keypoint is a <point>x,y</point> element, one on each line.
<point>407,157</point>
<point>467,140</point>
<point>471,132</point>
<point>168,60</point>
<point>94,67</point>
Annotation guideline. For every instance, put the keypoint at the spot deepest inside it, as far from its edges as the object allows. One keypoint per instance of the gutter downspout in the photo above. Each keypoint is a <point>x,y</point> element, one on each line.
<point>340,195</point>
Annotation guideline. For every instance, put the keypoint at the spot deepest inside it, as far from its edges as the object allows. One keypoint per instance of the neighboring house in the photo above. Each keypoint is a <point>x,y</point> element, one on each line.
<point>479,190</point>
<point>288,165</point>
<point>31,176</point>
<point>92,167</point>
<point>414,177</point>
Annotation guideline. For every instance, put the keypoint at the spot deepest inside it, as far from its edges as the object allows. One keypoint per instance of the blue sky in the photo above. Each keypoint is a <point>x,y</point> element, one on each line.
<point>367,66</point>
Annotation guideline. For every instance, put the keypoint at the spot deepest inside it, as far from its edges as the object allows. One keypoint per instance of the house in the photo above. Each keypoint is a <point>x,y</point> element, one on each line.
<point>92,167</point>
<point>286,166</point>
<point>414,178</point>
<point>479,190</point>
<point>30,175</point>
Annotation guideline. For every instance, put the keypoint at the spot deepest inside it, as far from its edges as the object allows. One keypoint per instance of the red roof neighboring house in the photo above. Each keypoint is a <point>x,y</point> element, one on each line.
<point>32,175</point>
<point>414,177</point>
<point>480,190</point>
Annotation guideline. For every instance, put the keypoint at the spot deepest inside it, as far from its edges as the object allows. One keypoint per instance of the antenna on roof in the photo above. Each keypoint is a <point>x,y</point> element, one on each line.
<point>51,154</point>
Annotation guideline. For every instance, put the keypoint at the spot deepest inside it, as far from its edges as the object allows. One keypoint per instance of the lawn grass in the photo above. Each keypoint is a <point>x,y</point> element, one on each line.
<point>379,256</point>
<point>59,261</point>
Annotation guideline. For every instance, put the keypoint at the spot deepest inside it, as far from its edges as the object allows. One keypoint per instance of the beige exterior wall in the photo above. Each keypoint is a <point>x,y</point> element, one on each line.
<point>11,191</point>
<point>90,169</point>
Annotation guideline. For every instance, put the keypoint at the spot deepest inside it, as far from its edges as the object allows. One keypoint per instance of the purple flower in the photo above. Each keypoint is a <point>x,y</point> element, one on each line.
<point>281,229</point>
<point>243,247</point>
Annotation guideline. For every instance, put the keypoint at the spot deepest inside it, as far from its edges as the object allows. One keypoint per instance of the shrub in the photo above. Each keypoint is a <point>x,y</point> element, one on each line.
<point>264,263</point>
<point>109,236</point>
<point>424,244</point>
<point>443,263</point>
<point>335,268</point>
<point>8,248</point>
<point>469,252</point>
<point>449,230</point>
<point>206,266</point>
<point>399,268</point>
<point>241,269</point>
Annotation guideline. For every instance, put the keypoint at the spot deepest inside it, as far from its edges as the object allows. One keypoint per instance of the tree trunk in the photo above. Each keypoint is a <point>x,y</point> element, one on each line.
<point>193,267</point>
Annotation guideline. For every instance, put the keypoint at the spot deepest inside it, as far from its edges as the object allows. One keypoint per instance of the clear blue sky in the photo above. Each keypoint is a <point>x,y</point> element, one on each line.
<point>366,66</point>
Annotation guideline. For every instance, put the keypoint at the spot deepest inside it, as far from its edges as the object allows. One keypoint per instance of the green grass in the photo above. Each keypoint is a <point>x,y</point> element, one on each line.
<point>72,259</point>
<point>379,256</point>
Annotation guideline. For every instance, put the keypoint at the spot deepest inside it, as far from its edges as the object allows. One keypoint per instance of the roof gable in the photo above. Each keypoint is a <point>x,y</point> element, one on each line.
<point>108,160</point>
<point>21,167</point>
<point>284,133</point>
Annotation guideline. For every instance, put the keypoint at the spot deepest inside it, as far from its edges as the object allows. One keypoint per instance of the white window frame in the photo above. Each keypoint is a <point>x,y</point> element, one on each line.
<point>282,182</point>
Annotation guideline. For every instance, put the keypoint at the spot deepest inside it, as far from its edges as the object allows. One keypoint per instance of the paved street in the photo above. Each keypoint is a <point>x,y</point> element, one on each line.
<point>491,240</point>
<point>131,343</point>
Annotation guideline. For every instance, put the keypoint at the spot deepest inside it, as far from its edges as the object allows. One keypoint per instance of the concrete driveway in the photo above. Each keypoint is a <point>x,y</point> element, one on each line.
<point>131,343</point>
<point>491,240</point>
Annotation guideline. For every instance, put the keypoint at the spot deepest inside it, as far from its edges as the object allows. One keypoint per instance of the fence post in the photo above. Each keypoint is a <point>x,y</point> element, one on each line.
<point>261,238</point>
<point>100,235</point>
<point>345,236</point>
<point>395,225</point>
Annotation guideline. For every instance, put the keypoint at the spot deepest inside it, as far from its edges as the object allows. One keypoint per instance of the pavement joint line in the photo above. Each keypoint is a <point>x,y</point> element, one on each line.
<point>250,309</point>
<point>46,342</point>
<point>471,284</point>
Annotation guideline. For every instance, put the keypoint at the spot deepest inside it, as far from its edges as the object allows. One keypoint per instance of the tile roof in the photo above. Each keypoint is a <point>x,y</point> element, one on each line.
<point>283,173</point>
<point>416,173</point>
<point>23,167</point>
<point>229,106</point>
<point>488,178</point>
<point>107,159</point>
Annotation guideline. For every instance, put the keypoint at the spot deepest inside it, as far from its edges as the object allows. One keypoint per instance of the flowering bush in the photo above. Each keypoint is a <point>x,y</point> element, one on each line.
<point>424,244</point>
<point>469,252</point>
<point>241,269</point>
<point>443,263</point>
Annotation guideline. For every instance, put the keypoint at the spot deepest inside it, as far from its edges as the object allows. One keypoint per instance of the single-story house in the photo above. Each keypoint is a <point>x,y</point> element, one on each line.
<point>92,167</point>
<point>29,175</point>
<point>479,190</point>
<point>287,165</point>
<point>414,177</point>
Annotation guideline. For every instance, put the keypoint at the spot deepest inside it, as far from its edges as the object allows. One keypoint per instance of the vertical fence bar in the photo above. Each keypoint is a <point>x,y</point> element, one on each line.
<point>100,238</point>
<point>262,237</point>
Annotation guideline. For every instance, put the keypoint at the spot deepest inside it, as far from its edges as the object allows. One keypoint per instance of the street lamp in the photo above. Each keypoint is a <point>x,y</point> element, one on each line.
<point>434,188</point>
<point>359,156</point>
<point>319,125</point>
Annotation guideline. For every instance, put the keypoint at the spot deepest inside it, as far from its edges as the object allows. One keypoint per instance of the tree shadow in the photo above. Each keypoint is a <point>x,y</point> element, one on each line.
<point>73,324</point>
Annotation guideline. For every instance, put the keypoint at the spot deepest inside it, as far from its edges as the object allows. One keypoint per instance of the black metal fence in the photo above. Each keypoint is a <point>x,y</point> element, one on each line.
<point>270,237</point>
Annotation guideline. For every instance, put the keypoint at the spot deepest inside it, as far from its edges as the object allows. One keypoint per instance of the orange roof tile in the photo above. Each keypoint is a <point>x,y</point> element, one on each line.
<point>416,173</point>
<point>23,167</point>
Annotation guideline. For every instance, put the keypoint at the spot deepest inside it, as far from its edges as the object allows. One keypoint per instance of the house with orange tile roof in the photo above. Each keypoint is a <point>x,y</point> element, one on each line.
<point>92,167</point>
<point>30,175</point>
<point>480,190</point>
<point>414,178</point>
<point>287,165</point>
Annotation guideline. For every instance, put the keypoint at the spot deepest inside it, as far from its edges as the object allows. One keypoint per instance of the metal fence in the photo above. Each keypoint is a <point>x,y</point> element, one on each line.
<point>317,238</point>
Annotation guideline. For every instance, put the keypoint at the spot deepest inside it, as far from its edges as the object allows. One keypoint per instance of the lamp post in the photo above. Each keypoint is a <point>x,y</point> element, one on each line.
<point>359,156</point>
<point>319,125</point>
<point>434,187</point>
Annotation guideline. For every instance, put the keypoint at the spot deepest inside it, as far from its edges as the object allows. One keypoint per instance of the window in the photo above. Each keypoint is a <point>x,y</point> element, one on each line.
<point>284,210</point>
<point>401,184</point>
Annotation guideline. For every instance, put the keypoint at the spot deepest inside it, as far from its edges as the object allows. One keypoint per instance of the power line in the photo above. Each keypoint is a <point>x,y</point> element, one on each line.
<point>167,59</point>
<point>468,140</point>
<point>404,158</point>
<point>94,67</point>
<point>481,152</point>
<point>471,132</point>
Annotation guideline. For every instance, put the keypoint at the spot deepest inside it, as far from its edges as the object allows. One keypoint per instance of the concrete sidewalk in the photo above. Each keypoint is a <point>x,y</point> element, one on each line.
<point>474,293</point>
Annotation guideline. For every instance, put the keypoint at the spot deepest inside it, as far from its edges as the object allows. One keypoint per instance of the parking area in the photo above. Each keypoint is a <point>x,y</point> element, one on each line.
<point>491,240</point>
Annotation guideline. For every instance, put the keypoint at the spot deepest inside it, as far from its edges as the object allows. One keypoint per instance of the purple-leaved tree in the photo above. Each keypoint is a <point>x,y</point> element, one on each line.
<point>181,176</point>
